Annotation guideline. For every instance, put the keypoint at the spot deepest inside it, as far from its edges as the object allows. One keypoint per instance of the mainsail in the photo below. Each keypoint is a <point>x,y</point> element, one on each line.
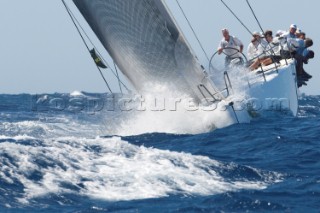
<point>144,41</point>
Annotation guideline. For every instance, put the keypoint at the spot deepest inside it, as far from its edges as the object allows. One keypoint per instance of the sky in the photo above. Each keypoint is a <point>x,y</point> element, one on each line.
<point>41,51</point>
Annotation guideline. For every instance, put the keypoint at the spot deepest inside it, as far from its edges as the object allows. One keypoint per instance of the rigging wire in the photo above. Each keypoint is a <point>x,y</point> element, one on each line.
<point>88,37</point>
<point>91,42</point>
<point>199,42</point>
<point>265,48</point>
<point>71,16</point>
<point>254,14</point>
<point>194,32</point>
<point>236,17</point>
<point>84,41</point>
<point>115,67</point>
<point>78,27</point>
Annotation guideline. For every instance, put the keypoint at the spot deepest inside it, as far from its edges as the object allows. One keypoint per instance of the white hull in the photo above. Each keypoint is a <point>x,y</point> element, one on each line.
<point>278,90</point>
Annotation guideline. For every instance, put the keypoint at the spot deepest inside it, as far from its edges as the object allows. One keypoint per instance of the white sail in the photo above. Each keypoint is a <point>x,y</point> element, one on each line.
<point>146,44</point>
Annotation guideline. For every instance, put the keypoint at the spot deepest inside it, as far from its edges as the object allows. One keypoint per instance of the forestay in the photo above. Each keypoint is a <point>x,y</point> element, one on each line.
<point>145,42</point>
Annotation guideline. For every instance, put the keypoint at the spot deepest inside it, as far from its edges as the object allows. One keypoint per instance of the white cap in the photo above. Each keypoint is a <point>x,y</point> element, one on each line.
<point>257,33</point>
<point>298,31</point>
<point>294,26</point>
<point>280,32</point>
<point>225,30</point>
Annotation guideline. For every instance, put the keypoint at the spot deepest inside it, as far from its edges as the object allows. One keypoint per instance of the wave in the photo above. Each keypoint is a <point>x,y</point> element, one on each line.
<point>115,170</point>
<point>93,114</point>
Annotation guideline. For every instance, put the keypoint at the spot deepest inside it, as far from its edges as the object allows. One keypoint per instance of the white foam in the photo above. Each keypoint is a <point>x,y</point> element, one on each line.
<point>166,118</point>
<point>114,170</point>
<point>18,137</point>
<point>76,93</point>
<point>164,122</point>
<point>184,120</point>
<point>51,127</point>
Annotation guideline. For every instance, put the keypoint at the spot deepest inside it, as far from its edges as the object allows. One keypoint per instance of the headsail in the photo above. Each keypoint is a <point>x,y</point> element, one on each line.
<point>146,44</point>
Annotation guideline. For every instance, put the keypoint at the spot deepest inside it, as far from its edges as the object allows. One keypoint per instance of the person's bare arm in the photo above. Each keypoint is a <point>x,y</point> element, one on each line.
<point>241,48</point>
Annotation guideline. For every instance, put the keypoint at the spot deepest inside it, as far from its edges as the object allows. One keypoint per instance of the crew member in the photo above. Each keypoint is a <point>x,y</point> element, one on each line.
<point>231,46</point>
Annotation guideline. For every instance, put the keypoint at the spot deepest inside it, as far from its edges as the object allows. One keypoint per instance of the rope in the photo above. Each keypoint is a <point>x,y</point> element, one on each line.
<point>84,41</point>
<point>236,17</point>
<point>243,23</point>
<point>88,37</point>
<point>78,25</point>
<point>115,67</point>
<point>194,32</point>
<point>71,16</point>
<point>254,14</point>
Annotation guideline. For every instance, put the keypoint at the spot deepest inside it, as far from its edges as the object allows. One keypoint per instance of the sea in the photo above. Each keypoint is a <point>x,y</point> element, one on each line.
<point>77,153</point>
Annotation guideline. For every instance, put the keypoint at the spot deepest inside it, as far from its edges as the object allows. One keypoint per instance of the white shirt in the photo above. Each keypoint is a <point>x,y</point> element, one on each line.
<point>272,49</point>
<point>288,35</point>
<point>256,49</point>
<point>281,44</point>
<point>234,42</point>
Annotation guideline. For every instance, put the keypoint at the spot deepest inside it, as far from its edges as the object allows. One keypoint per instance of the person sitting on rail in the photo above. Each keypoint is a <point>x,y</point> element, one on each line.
<point>292,32</point>
<point>265,51</point>
<point>302,35</point>
<point>302,56</point>
<point>303,77</point>
<point>255,48</point>
<point>285,41</point>
<point>298,33</point>
<point>280,33</point>
<point>231,46</point>
<point>272,48</point>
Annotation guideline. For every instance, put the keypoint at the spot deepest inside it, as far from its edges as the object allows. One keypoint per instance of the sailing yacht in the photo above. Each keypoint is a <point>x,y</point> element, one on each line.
<point>145,42</point>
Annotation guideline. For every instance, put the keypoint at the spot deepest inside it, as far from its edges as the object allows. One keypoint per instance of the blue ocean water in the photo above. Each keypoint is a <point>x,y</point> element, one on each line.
<point>63,154</point>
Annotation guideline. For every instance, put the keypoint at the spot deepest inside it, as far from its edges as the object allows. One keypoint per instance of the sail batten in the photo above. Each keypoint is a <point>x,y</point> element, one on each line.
<point>146,44</point>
